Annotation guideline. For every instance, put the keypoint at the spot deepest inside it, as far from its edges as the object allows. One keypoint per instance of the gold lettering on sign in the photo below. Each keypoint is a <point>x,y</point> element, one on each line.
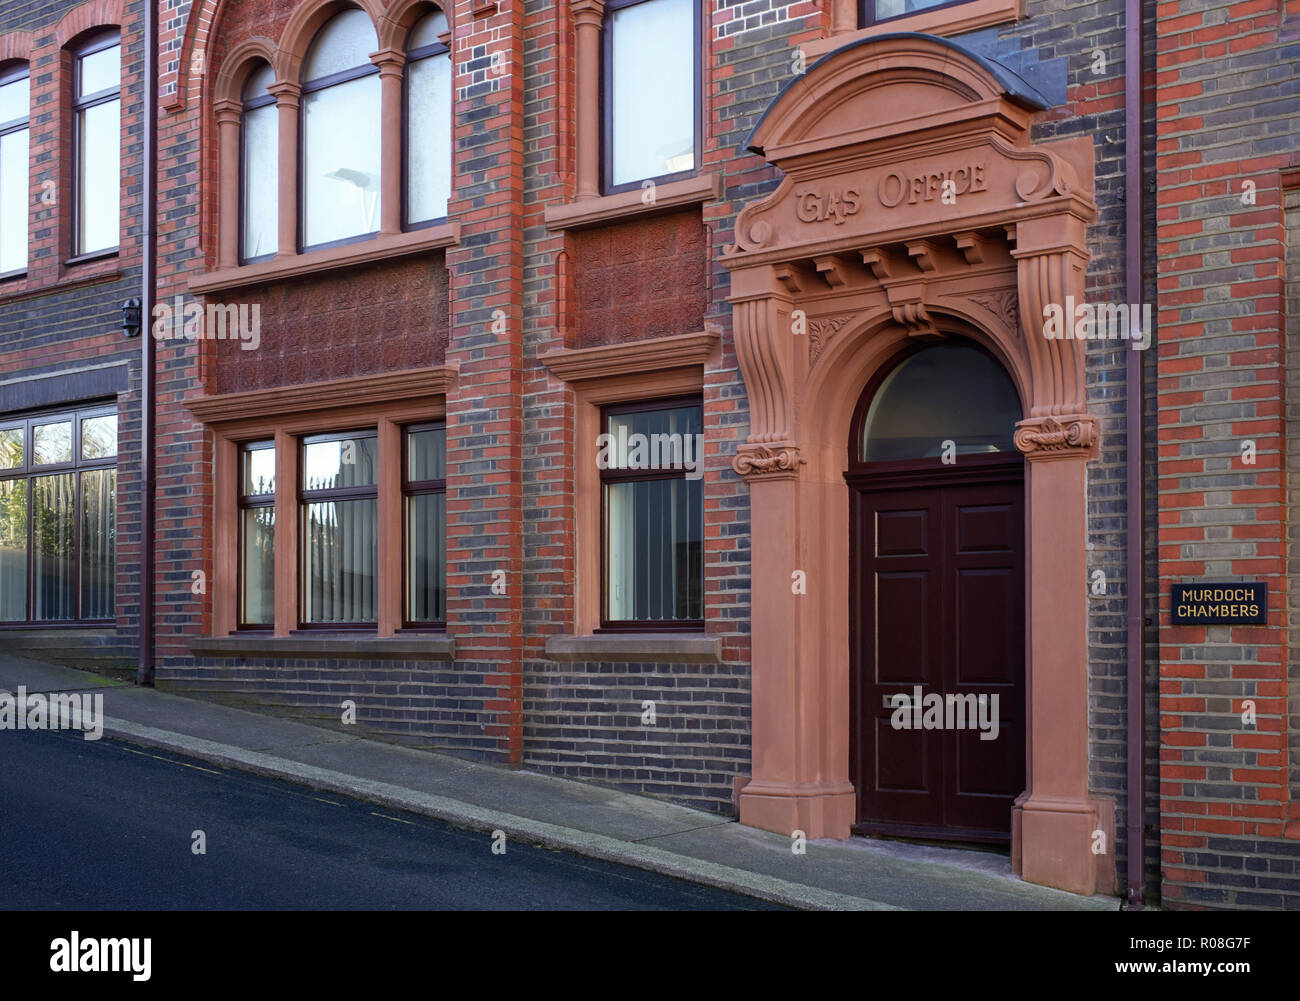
<point>896,185</point>
<point>813,205</point>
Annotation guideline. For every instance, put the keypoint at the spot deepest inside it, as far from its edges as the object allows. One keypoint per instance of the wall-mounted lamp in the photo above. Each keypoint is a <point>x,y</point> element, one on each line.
<point>131,318</point>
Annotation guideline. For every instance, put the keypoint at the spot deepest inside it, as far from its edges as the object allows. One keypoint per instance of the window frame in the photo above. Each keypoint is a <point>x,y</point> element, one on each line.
<point>20,71</point>
<point>28,472</point>
<point>420,488</point>
<point>244,502</point>
<point>305,497</point>
<point>607,109</point>
<point>100,41</point>
<point>413,56</point>
<point>607,625</point>
<point>246,106</point>
<point>867,12</point>
<point>307,88</point>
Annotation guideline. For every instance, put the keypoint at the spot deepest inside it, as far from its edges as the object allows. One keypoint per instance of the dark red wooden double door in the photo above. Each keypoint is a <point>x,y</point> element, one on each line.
<point>937,602</point>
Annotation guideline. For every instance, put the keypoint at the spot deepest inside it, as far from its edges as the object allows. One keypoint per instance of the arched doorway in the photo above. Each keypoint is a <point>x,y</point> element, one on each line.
<point>936,596</point>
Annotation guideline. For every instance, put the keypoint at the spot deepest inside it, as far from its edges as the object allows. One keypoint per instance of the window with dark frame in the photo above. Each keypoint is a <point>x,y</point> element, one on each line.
<point>879,11</point>
<point>97,111</point>
<point>257,535</point>
<point>424,526</point>
<point>650,92</point>
<point>339,504</point>
<point>58,517</point>
<point>426,166</point>
<point>259,181</point>
<point>652,516</point>
<point>339,139</point>
<point>15,133</point>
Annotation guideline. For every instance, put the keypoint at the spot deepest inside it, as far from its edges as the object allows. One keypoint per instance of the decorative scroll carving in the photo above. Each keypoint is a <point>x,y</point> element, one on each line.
<point>1004,305</point>
<point>1076,434</point>
<point>759,460</point>
<point>821,331</point>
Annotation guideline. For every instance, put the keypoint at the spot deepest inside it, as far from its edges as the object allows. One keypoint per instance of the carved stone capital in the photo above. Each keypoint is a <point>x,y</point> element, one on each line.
<point>775,461</point>
<point>1072,437</point>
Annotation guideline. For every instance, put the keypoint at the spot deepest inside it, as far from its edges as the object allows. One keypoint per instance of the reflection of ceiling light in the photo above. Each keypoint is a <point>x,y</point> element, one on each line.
<point>354,177</point>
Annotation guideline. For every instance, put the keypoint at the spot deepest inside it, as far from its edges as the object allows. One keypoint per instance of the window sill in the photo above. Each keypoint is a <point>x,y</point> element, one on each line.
<point>678,351</point>
<point>381,248</point>
<point>945,21</point>
<point>431,646</point>
<point>637,648</point>
<point>587,212</point>
<point>94,255</point>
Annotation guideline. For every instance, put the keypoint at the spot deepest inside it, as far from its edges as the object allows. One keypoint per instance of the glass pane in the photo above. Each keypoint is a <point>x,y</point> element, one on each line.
<point>896,8</point>
<point>261,181</point>
<point>11,448</point>
<point>343,44</point>
<point>52,443</point>
<point>257,567</point>
<point>428,166</point>
<point>426,455</point>
<point>98,180</point>
<point>101,71</point>
<point>347,462</point>
<point>258,83</point>
<point>427,30</point>
<point>653,89</point>
<point>99,437</point>
<point>341,161</point>
<point>14,185</point>
<point>653,550</point>
<point>339,561</point>
<point>653,439</point>
<point>259,472</point>
<point>947,393</point>
<point>13,550</point>
<point>426,568</point>
<point>98,542</point>
<point>54,540</point>
<point>15,100</point>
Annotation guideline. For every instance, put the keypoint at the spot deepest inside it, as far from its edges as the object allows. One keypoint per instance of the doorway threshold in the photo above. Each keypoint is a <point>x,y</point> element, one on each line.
<point>991,860</point>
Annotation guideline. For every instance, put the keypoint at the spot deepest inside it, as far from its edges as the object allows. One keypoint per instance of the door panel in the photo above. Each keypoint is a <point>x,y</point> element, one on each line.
<point>937,601</point>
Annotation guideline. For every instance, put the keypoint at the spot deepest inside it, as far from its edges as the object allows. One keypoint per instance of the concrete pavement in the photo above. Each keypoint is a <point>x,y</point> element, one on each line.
<point>601,823</point>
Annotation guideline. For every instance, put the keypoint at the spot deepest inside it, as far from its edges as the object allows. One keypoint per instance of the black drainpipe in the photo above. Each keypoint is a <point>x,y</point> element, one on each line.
<point>144,673</point>
<point>1136,491</point>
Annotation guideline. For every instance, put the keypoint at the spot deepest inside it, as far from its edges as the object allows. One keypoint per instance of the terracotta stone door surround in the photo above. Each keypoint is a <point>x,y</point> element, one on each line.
<point>913,203</point>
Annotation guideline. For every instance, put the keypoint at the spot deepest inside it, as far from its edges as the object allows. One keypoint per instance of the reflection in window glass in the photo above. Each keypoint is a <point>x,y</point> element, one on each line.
<point>897,8</point>
<point>425,525</point>
<point>339,463</point>
<point>341,152</point>
<point>98,542</point>
<point>54,528</point>
<point>652,89</point>
<point>13,550</point>
<point>15,182</point>
<point>257,566</point>
<point>52,443</point>
<point>99,437</point>
<point>950,391</point>
<point>11,448</point>
<point>341,555</point>
<point>99,113</point>
<point>428,153</point>
<point>259,471</point>
<point>260,178</point>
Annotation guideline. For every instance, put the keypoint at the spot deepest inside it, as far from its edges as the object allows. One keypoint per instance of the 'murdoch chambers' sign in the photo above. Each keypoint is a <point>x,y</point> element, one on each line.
<point>1219,604</point>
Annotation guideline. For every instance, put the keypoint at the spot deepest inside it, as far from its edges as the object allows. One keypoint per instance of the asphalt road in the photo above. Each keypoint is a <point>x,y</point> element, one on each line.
<point>104,825</point>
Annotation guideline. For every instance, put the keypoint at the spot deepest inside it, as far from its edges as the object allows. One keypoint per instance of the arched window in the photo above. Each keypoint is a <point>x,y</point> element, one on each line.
<point>259,159</point>
<point>97,104</point>
<point>428,118</point>
<point>651,90</point>
<point>949,392</point>
<point>15,110</point>
<point>340,133</point>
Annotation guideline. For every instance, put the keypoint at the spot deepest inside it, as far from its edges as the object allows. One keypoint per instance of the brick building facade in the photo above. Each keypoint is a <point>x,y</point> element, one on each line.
<point>548,298</point>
